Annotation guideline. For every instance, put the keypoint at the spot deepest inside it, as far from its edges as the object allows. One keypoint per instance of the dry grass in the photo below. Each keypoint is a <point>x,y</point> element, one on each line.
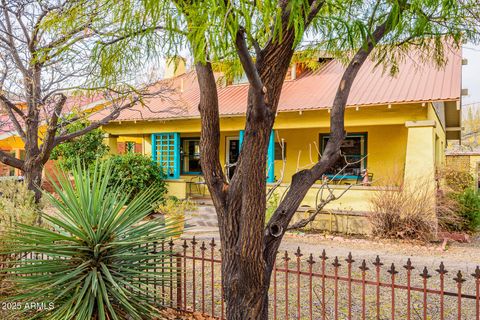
<point>406,212</point>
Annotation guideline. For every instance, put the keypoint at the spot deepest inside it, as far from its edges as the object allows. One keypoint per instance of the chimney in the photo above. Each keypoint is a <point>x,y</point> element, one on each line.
<point>175,66</point>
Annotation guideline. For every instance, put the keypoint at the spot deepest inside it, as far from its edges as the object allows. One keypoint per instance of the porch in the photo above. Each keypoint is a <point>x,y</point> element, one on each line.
<point>391,154</point>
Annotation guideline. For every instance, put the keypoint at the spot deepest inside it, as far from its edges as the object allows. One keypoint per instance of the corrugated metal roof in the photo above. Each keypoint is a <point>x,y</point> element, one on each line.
<point>417,81</point>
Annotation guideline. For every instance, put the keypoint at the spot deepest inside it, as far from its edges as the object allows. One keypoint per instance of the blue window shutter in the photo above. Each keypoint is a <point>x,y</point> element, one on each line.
<point>240,138</point>
<point>166,153</point>
<point>154,150</point>
<point>271,158</point>
<point>176,171</point>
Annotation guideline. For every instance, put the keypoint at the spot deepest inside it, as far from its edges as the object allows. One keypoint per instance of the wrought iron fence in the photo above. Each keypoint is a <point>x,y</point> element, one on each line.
<point>310,287</point>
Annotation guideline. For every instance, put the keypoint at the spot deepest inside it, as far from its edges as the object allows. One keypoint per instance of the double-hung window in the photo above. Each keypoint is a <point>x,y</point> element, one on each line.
<point>353,159</point>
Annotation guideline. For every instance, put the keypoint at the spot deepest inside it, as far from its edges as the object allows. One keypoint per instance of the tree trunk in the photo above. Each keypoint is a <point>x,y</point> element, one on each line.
<point>33,178</point>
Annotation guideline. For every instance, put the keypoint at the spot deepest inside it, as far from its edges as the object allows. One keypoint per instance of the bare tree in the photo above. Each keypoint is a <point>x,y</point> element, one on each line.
<point>45,55</point>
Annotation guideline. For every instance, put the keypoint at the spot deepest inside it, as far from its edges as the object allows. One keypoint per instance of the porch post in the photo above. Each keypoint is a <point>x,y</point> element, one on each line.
<point>420,157</point>
<point>147,145</point>
<point>111,141</point>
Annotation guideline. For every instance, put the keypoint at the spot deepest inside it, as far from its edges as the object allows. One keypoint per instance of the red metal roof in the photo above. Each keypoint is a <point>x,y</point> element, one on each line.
<point>417,81</point>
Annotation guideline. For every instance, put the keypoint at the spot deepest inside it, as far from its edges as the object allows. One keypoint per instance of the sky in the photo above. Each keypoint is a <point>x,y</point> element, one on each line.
<point>471,76</point>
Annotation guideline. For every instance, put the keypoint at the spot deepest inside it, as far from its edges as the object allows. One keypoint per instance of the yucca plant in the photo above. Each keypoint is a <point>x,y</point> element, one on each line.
<point>97,258</point>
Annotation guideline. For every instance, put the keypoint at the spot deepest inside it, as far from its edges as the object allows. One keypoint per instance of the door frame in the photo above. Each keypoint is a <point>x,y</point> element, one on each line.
<point>227,150</point>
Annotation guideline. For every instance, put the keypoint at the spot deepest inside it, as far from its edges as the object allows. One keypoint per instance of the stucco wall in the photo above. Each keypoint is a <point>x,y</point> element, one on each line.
<point>386,147</point>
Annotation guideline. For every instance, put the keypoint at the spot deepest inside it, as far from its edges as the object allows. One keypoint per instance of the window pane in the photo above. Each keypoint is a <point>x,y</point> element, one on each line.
<point>191,156</point>
<point>353,151</point>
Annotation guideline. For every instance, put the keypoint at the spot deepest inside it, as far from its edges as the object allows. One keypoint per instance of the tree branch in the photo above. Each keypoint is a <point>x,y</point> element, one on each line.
<point>252,74</point>
<point>303,180</point>
<point>48,144</point>
<point>10,41</point>
<point>210,132</point>
<point>247,62</point>
<point>112,116</point>
<point>10,160</point>
<point>10,107</point>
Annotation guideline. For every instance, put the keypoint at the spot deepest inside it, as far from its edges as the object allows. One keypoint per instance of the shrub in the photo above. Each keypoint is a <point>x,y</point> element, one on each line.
<point>455,180</point>
<point>17,205</point>
<point>136,172</point>
<point>174,207</point>
<point>404,212</point>
<point>458,206</point>
<point>469,209</point>
<point>86,148</point>
<point>94,249</point>
<point>448,215</point>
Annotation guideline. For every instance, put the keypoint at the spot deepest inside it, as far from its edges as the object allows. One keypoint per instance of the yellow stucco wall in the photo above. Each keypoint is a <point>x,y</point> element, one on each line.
<point>345,215</point>
<point>386,143</point>
<point>365,116</point>
<point>11,143</point>
<point>177,188</point>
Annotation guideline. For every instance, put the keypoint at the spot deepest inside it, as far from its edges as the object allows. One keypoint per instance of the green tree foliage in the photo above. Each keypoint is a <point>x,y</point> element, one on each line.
<point>94,250</point>
<point>468,209</point>
<point>86,148</point>
<point>161,28</point>
<point>135,173</point>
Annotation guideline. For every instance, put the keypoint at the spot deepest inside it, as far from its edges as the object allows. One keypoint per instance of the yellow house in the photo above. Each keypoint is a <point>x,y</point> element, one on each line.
<point>397,127</point>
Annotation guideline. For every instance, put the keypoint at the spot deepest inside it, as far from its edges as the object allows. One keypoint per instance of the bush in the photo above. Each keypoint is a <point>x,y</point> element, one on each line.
<point>17,205</point>
<point>469,209</point>
<point>458,205</point>
<point>448,215</point>
<point>94,250</point>
<point>404,213</point>
<point>174,207</point>
<point>136,172</point>
<point>456,180</point>
<point>86,148</point>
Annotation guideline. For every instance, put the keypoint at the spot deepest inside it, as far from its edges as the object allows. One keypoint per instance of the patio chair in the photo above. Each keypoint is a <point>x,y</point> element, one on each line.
<point>197,182</point>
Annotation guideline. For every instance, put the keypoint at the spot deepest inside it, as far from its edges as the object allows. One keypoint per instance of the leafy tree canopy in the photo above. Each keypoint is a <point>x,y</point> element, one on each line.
<point>162,28</point>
